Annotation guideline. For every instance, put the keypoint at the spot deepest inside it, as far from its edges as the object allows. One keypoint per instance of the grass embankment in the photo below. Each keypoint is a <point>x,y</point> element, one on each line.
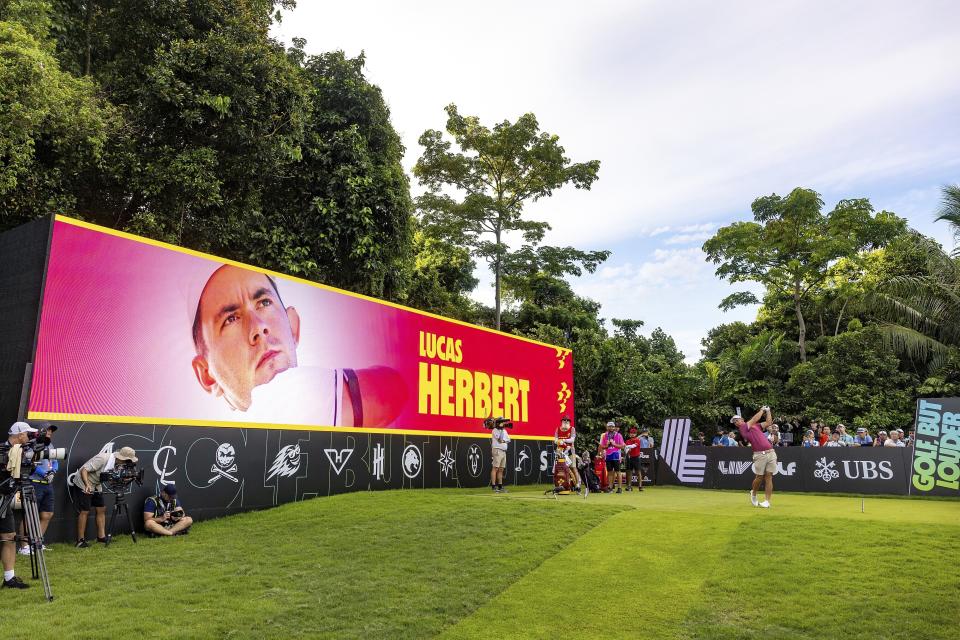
<point>667,563</point>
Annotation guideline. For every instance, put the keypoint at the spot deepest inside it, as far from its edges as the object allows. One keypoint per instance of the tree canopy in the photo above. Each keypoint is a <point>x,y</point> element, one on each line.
<point>476,195</point>
<point>186,122</point>
<point>792,245</point>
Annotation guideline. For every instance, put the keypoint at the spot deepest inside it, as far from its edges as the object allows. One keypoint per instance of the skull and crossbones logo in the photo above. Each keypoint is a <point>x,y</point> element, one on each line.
<point>225,465</point>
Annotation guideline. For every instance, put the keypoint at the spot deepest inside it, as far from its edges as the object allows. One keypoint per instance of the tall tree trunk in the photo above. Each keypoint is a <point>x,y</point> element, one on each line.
<point>802,338</point>
<point>496,269</point>
<point>89,25</point>
<point>839,317</point>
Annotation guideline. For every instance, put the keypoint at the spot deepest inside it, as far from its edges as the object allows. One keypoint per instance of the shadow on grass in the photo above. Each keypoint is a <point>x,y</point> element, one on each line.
<point>398,564</point>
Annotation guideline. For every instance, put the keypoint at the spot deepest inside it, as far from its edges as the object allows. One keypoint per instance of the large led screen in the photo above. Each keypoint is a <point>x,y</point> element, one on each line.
<point>133,330</point>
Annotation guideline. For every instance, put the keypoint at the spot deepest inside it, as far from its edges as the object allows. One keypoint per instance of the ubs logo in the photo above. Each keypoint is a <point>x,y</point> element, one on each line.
<point>867,470</point>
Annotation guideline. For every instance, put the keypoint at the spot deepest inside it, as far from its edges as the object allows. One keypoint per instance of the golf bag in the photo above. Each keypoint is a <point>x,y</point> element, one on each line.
<point>589,477</point>
<point>600,471</point>
<point>561,480</point>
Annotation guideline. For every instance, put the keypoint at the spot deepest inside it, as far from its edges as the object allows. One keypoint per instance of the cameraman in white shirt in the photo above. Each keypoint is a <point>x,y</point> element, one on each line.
<point>500,439</point>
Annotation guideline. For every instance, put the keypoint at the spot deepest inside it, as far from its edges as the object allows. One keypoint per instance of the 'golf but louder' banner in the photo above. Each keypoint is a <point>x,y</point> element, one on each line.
<point>137,331</point>
<point>936,457</point>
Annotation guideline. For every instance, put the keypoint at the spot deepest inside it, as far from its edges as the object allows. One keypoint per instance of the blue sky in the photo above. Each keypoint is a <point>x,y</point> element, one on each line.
<point>693,108</point>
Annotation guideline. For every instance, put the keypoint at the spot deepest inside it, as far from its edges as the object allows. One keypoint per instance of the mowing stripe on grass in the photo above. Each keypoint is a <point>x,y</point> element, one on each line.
<point>632,576</point>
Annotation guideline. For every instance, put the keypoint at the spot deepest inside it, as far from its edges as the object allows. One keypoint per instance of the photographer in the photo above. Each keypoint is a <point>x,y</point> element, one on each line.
<point>42,479</point>
<point>19,434</point>
<point>163,515</point>
<point>88,491</point>
<point>500,439</point>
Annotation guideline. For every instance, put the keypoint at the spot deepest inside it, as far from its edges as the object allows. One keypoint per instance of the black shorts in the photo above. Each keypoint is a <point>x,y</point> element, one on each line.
<point>613,465</point>
<point>44,494</point>
<point>7,525</point>
<point>633,464</point>
<point>86,500</point>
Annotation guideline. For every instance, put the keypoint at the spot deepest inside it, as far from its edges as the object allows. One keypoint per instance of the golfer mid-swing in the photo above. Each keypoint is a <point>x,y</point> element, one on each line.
<point>764,457</point>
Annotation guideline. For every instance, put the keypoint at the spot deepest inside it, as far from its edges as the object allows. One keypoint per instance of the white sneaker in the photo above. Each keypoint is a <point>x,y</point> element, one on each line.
<point>753,499</point>
<point>24,551</point>
<point>765,504</point>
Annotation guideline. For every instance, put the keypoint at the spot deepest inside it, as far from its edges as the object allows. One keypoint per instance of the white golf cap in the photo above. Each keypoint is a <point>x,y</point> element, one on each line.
<point>21,427</point>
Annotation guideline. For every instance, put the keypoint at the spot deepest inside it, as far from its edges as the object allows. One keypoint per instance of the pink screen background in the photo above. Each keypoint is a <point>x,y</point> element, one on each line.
<point>115,339</point>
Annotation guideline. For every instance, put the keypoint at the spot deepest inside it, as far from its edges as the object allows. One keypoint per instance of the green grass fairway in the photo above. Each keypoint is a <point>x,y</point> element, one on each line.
<point>667,563</point>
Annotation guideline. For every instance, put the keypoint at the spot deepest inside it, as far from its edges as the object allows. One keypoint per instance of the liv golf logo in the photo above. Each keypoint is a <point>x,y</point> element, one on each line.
<point>673,450</point>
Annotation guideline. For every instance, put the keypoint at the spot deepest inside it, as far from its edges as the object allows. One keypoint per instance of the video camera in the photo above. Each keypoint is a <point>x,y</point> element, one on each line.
<point>37,449</point>
<point>122,476</point>
<point>497,423</point>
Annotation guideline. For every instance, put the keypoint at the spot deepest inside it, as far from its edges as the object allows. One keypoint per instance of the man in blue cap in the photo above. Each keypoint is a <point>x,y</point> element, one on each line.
<point>163,515</point>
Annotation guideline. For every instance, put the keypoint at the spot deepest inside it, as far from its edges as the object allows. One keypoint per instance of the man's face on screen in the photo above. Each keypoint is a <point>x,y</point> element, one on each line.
<point>248,336</point>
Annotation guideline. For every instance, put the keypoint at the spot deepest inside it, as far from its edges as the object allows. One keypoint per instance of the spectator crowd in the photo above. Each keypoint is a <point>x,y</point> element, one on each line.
<point>818,434</point>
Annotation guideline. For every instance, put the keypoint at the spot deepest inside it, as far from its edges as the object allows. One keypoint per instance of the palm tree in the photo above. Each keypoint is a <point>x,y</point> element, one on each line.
<point>950,212</point>
<point>922,313</point>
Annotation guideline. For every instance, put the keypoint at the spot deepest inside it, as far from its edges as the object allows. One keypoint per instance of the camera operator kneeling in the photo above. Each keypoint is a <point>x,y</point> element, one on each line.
<point>163,514</point>
<point>88,490</point>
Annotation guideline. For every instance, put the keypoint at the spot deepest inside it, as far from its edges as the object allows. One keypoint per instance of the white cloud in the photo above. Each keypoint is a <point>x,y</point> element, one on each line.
<point>689,238</point>
<point>693,108</point>
<point>672,288</point>
<point>667,269</point>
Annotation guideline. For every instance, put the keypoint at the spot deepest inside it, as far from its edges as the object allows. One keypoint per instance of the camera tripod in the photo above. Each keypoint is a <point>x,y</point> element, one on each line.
<point>31,522</point>
<point>120,505</point>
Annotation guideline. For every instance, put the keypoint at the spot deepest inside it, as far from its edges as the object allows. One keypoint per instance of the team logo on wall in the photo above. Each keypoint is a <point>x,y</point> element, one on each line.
<point>446,461</point>
<point>225,465</point>
<point>523,461</point>
<point>378,461</point>
<point>164,453</point>
<point>475,458</point>
<point>826,471</point>
<point>338,458</point>
<point>286,463</point>
<point>208,461</point>
<point>412,461</point>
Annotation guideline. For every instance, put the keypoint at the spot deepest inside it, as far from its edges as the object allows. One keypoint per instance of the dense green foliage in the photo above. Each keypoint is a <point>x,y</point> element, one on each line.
<point>880,319</point>
<point>791,246</point>
<point>185,121</point>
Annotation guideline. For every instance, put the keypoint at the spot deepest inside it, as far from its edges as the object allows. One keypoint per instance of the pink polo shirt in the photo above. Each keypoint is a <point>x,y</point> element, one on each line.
<point>754,435</point>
